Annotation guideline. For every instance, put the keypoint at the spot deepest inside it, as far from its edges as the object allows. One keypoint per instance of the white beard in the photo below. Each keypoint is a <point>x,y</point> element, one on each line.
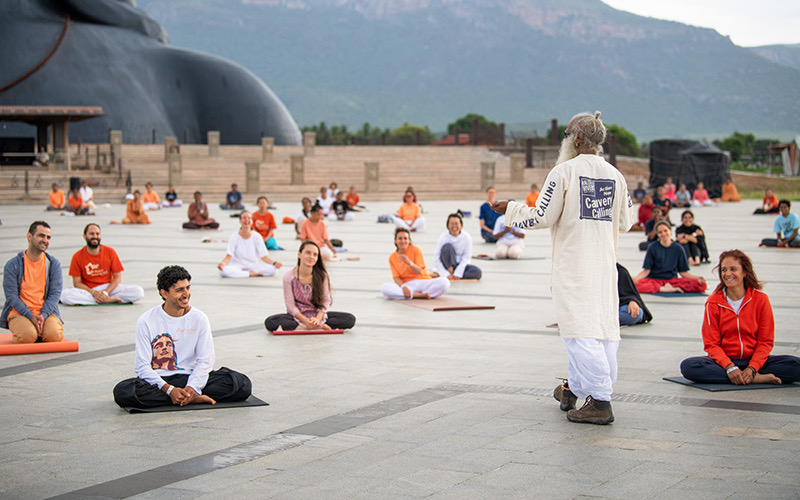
<point>567,151</point>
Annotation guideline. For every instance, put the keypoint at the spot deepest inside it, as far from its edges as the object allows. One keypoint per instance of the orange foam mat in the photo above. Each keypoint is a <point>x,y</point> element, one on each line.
<point>7,347</point>
<point>306,332</point>
<point>442,304</point>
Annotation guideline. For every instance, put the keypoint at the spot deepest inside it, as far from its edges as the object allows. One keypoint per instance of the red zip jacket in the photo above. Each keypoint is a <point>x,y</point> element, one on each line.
<point>748,335</point>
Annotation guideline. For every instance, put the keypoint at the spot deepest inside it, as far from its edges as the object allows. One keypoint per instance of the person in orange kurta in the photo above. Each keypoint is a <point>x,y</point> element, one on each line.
<point>134,211</point>
<point>411,279</point>
<point>533,195</point>
<point>57,201</point>
<point>409,215</point>
<point>729,192</point>
<point>314,229</point>
<point>76,205</point>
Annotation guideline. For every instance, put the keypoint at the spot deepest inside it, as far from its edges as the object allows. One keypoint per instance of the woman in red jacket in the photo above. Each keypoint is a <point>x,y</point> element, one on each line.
<point>738,332</point>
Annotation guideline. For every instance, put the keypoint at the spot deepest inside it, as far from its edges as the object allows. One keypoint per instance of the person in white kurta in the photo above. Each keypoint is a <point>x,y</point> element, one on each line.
<point>453,252</point>
<point>585,203</point>
<point>510,240</point>
<point>246,255</point>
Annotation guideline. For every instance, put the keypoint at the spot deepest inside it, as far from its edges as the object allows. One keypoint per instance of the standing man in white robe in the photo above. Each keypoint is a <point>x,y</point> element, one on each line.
<point>586,204</point>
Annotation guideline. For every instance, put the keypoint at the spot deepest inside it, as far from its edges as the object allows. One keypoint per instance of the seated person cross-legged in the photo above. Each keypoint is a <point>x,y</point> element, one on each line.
<point>411,279</point>
<point>510,241</point>
<point>307,294</point>
<point>174,354</point>
<point>409,215</point>
<point>692,239</point>
<point>663,261</point>
<point>247,256</point>
<point>453,252</point>
<point>739,331</point>
<point>198,214</point>
<point>632,310</point>
<point>786,228</point>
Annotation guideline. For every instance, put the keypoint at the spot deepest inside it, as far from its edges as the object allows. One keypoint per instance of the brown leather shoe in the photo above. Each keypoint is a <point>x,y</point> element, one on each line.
<point>564,396</point>
<point>592,412</point>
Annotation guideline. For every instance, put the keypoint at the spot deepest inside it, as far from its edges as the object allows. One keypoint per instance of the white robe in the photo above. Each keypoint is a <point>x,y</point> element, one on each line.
<point>586,204</point>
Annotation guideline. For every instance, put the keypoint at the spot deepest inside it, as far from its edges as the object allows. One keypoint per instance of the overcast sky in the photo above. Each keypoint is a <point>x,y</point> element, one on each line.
<point>749,23</point>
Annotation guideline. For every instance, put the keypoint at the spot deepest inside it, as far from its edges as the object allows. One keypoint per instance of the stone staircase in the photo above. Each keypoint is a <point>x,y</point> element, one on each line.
<point>435,172</point>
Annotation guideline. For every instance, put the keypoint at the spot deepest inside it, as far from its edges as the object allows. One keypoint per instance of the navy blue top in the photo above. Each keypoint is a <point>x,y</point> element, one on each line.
<point>665,263</point>
<point>488,215</point>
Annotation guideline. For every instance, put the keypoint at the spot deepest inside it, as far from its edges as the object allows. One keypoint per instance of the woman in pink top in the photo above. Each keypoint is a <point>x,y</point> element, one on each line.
<point>669,189</point>
<point>307,293</point>
<point>700,197</point>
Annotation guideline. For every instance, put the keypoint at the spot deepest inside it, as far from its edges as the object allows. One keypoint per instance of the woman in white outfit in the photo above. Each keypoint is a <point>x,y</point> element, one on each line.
<point>247,255</point>
<point>510,241</point>
<point>454,251</point>
<point>411,279</point>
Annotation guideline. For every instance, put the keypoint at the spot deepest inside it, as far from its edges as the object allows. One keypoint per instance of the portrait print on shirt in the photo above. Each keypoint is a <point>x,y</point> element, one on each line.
<point>597,198</point>
<point>164,355</point>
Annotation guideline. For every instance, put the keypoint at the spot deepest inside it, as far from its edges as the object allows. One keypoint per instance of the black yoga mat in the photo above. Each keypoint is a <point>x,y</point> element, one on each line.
<point>251,401</point>
<point>728,387</point>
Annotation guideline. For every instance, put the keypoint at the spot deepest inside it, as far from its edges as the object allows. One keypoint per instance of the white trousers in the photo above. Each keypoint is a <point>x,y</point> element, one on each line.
<point>347,216</point>
<point>79,297</point>
<point>418,225</point>
<point>434,287</point>
<point>503,251</point>
<point>592,367</point>
<point>243,270</point>
<point>167,204</point>
<point>151,205</point>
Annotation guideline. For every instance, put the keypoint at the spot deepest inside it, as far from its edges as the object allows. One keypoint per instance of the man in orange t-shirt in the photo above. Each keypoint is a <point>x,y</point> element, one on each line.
<point>56,198</point>
<point>97,274</point>
<point>150,198</point>
<point>32,285</point>
<point>314,229</point>
<point>533,195</point>
<point>264,223</point>
<point>76,205</point>
<point>352,199</point>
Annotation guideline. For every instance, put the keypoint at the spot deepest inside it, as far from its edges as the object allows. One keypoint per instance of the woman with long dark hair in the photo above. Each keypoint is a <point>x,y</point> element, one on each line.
<point>307,293</point>
<point>739,332</point>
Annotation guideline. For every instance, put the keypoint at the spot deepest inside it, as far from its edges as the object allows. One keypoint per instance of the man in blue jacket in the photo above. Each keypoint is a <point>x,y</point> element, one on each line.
<point>32,286</point>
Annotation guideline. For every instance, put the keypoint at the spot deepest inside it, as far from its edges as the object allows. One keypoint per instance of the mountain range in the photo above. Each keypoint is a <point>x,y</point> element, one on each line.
<point>429,62</point>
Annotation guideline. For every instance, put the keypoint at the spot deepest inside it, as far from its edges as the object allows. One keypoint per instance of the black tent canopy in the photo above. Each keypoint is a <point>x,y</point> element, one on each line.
<point>689,162</point>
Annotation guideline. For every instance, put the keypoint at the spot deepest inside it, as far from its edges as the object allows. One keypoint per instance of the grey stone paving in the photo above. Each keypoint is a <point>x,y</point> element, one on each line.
<point>410,403</point>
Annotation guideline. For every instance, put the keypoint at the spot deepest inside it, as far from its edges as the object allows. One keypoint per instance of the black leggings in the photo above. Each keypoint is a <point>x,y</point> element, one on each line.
<point>336,320</point>
<point>224,385</point>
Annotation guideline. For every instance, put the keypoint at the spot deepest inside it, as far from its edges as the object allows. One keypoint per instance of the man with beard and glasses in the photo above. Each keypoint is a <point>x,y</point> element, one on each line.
<point>585,203</point>
<point>97,274</point>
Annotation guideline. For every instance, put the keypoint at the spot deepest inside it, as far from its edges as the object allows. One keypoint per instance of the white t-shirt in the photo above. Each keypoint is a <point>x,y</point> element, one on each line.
<point>186,340</point>
<point>86,193</point>
<point>246,251</point>
<point>325,204</point>
<point>462,244</point>
<point>508,238</point>
<point>586,204</point>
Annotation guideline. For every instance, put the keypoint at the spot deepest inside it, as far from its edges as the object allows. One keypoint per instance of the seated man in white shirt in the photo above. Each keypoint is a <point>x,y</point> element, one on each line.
<point>175,354</point>
<point>97,275</point>
<point>87,194</point>
<point>247,255</point>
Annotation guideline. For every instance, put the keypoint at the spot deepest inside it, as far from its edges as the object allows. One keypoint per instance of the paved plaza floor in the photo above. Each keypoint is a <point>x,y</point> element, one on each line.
<point>408,404</point>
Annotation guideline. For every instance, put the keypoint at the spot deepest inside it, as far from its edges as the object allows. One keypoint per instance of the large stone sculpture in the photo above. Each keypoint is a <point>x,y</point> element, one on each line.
<point>115,56</point>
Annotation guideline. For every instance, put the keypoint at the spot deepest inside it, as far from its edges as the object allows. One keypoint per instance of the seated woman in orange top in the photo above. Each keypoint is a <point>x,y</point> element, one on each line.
<point>769,204</point>
<point>352,199</point>
<point>729,192</point>
<point>314,229</point>
<point>134,211</point>
<point>411,279</point>
<point>409,215</point>
<point>150,198</point>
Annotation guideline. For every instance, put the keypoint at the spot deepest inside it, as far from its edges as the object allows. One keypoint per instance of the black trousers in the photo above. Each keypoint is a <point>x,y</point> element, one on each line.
<point>703,369</point>
<point>224,385</point>
<point>336,320</point>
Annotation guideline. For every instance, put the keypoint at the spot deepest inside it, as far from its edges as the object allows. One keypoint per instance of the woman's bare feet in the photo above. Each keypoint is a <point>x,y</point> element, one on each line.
<point>406,292</point>
<point>324,326</point>
<point>422,295</point>
<point>766,378</point>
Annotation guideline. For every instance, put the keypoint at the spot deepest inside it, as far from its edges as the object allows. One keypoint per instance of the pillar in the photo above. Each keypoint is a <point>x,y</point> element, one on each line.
<point>309,141</point>
<point>528,153</point>
<point>213,143</point>
<point>115,139</point>
<point>487,175</point>
<point>267,148</point>
<point>612,149</point>
<point>61,146</point>
<point>169,144</point>
<point>253,173</point>
<point>175,166</point>
<point>298,169</point>
<point>372,176</point>
<point>517,167</point>
<point>554,132</point>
